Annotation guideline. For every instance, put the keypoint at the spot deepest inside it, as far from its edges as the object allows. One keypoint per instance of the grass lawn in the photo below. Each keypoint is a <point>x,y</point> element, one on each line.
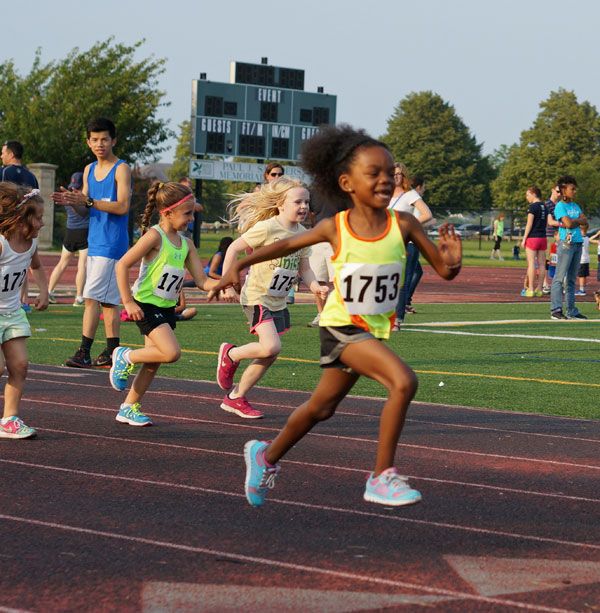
<point>474,253</point>
<point>543,367</point>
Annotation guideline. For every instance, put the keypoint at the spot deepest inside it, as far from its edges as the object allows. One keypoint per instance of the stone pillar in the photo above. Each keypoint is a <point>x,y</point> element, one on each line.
<point>46,176</point>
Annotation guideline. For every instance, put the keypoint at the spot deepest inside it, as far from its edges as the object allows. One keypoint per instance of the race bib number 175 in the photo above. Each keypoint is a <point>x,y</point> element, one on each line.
<point>370,289</point>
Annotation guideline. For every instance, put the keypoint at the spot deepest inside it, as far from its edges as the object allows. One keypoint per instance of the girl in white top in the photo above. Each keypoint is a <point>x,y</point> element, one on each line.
<point>21,211</point>
<point>272,213</point>
<point>412,202</point>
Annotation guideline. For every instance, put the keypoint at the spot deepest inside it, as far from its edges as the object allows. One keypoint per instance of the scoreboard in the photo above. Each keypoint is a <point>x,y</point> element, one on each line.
<point>264,121</point>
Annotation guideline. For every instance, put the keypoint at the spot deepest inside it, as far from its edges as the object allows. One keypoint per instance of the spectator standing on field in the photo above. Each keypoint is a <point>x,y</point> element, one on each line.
<point>12,165</point>
<point>570,217</point>
<point>75,241</point>
<point>534,242</point>
<point>497,233</point>
<point>106,194</point>
<point>410,201</point>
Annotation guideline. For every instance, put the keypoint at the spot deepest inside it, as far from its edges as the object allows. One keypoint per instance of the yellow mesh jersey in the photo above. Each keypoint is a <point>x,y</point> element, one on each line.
<point>369,273</point>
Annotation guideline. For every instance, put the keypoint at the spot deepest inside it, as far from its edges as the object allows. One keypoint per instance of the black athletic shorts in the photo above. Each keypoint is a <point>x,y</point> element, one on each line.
<point>155,316</point>
<point>335,339</point>
<point>75,239</point>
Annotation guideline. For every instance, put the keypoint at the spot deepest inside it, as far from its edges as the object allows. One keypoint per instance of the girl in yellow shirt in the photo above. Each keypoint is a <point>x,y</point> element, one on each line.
<point>368,243</point>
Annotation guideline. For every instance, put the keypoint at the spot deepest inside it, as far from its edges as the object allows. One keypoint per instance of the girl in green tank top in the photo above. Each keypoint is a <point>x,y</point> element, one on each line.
<point>165,254</point>
<point>350,167</point>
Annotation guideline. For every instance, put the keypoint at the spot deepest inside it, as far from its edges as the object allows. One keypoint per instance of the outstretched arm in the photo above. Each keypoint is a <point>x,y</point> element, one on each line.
<point>324,231</point>
<point>446,256</point>
<point>194,265</point>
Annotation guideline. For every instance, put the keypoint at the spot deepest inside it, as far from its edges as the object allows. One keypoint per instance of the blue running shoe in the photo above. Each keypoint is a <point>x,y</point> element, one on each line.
<point>390,489</point>
<point>131,414</point>
<point>259,477</point>
<point>120,369</point>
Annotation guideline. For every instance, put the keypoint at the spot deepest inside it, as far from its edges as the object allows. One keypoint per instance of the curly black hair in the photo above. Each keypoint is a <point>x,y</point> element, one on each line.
<point>329,154</point>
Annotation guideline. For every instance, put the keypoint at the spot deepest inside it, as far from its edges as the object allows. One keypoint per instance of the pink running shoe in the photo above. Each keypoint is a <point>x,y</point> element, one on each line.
<point>13,427</point>
<point>226,367</point>
<point>240,406</point>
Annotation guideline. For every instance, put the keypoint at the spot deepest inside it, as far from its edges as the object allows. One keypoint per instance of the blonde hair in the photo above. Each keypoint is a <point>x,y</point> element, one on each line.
<point>160,196</point>
<point>246,209</point>
<point>17,208</point>
<point>405,183</point>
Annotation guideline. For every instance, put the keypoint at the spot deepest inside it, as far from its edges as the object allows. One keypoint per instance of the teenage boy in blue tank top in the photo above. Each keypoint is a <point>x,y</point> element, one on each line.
<point>106,193</point>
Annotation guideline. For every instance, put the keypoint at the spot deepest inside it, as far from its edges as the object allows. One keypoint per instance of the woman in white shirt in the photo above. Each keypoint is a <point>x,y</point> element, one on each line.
<point>410,202</point>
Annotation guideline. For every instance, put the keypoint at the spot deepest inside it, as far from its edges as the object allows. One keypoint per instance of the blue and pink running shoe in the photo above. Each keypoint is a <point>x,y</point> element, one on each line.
<point>390,489</point>
<point>260,475</point>
<point>13,427</point>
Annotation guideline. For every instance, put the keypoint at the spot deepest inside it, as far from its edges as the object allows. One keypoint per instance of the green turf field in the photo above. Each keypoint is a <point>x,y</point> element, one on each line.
<point>550,367</point>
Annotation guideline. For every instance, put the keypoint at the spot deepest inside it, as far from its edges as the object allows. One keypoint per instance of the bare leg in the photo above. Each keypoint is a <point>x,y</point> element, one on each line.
<point>80,276</point>
<point>263,354</point>
<point>59,269</point>
<point>531,256</point>
<point>112,321</point>
<point>15,356</point>
<point>373,359</point>
<point>91,317</point>
<point>541,260</point>
<point>160,347</point>
<point>332,388</point>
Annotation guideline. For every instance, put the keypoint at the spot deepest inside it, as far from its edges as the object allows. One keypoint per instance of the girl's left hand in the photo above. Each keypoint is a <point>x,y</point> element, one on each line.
<point>450,246</point>
<point>319,290</point>
<point>41,302</point>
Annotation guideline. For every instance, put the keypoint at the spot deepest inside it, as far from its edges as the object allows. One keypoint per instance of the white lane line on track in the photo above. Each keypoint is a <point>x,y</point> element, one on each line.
<point>362,471</point>
<point>567,418</point>
<point>321,507</point>
<point>498,322</point>
<point>217,399</point>
<point>542,337</point>
<point>333,436</point>
<point>279,564</point>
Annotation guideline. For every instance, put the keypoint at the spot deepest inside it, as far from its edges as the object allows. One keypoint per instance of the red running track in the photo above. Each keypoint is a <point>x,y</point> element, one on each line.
<point>96,515</point>
<point>473,284</point>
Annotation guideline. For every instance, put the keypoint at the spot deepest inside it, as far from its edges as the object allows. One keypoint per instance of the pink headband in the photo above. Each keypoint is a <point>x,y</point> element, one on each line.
<point>163,211</point>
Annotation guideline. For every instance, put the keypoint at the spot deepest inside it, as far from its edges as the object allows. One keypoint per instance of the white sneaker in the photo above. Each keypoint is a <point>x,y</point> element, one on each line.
<point>51,297</point>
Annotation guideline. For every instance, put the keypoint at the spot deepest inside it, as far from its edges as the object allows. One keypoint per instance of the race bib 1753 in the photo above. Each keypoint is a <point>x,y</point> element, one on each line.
<point>370,289</point>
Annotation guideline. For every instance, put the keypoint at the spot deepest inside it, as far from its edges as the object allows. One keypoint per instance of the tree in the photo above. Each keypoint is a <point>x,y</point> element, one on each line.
<point>427,135</point>
<point>47,109</point>
<point>214,193</point>
<point>564,139</point>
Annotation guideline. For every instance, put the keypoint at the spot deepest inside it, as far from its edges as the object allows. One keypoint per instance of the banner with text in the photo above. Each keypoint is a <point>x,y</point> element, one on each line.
<point>219,170</point>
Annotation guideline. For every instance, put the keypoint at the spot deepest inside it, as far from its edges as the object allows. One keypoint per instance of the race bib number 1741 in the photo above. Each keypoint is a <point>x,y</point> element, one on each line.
<point>370,289</point>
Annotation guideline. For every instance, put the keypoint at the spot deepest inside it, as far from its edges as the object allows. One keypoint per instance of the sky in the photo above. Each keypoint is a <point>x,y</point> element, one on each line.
<point>494,62</point>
